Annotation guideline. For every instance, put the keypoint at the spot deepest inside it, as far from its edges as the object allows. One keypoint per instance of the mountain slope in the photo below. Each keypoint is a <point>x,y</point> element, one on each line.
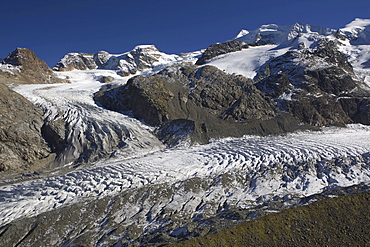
<point>22,143</point>
<point>342,221</point>
<point>24,66</point>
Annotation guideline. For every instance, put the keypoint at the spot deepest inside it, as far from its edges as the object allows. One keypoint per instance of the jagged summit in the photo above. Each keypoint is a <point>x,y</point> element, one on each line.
<point>141,58</point>
<point>275,34</point>
<point>24,57</point>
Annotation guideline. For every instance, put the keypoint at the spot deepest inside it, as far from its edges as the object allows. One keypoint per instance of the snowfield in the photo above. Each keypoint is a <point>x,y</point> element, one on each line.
<point>247,61</point>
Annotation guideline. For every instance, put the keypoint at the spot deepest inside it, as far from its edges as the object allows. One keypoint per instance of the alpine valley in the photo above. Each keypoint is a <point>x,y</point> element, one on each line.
<point>145,148</point>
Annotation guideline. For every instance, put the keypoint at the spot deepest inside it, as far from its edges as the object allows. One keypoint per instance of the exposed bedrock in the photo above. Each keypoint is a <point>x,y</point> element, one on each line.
<point>209,102</point>
<point>317,86</point>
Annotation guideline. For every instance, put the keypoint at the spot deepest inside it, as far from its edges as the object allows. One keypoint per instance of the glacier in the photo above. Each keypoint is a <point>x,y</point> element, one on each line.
<point>170,187</point>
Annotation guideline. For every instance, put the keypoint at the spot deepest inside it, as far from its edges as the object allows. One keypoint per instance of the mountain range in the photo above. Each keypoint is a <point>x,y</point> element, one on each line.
<point>149,148</point>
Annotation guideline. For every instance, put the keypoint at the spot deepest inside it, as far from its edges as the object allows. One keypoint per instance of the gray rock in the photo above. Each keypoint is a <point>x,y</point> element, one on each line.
<point>79,61</point>
<point>101,58</point>
<point>106,79</point>
<point>314,85</point>
<point>21,143</point>
<point>221,48</point>
<point>30,68</point>
<point>207,103</point>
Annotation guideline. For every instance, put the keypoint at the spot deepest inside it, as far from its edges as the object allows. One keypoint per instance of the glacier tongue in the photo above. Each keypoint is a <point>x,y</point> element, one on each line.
<point>250,171</point>
<point>92,132</point>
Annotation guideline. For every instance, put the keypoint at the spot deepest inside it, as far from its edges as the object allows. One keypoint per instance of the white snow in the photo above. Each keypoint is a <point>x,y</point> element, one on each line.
<point>242,33</point>
<point>359,57</point>
<point>358,31</point>
<point>356,25</point>
<point>246,61</point>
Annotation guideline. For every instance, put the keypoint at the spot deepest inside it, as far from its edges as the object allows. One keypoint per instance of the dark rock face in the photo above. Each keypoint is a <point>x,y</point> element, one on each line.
<point>21,142</point>
<point>22,128</point>
<point>317,95</point>
<point>54,133</point>
<point>176,132</point>
<point>202,102</point>
<point>106,79</point>
<point>357,108</point>
<point>32,69</point>
<point>219,49</point>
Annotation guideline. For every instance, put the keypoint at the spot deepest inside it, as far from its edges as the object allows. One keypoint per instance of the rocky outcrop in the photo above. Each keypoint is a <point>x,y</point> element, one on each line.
<point>220,49</point>
<point>24,66</point>
<point>22,146</point>
<point>200,102</point>
<point>139,59</point>
<point>79,61</point>
<point>316,86</point>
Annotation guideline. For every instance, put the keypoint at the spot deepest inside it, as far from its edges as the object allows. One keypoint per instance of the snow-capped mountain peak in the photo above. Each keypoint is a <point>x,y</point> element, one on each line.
<point>358,31</point>
<point>242,33</point>
<point>142,57</point>
<point>275,34</point>
<point>357,23</point>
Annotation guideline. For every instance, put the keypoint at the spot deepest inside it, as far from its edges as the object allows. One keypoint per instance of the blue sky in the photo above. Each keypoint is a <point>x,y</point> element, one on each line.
<point>53,28</point>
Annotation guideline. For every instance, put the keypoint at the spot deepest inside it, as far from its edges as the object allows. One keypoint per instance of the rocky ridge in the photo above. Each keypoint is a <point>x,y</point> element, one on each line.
<point>141,58</point>
<point>80,61</point>
<point>220,49</point>
<point>275,34</point>
<point>317,95</point>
